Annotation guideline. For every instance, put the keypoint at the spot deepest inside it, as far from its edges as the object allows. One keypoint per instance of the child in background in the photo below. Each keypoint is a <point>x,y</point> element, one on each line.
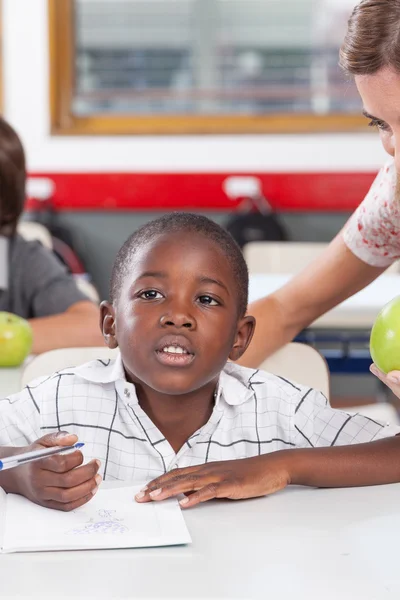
<point>33,282</point>
<point>170,411</point>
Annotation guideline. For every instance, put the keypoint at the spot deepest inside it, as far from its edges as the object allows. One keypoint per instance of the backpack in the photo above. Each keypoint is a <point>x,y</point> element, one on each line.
<point>254,220</point>
<point>256,227</point>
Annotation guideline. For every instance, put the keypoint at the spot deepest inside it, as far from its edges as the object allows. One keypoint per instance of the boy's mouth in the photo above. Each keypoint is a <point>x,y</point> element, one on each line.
<point>175,352</point>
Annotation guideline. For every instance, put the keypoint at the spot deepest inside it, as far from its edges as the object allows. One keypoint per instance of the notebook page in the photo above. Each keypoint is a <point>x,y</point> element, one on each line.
<point>112,519</point>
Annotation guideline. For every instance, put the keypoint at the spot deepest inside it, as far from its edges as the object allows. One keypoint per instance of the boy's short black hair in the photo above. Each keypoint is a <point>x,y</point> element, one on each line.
<point>179,222</point>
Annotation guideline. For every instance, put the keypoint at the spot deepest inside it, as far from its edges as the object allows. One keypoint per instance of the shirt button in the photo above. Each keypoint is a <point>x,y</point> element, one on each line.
<point>127,393</point>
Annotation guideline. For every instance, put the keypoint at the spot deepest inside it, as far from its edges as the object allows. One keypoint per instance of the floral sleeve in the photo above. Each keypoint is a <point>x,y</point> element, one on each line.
<point>373,231</point>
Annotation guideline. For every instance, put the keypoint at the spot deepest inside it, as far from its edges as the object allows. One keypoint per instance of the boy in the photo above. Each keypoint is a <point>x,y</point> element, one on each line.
<point>169,410</point>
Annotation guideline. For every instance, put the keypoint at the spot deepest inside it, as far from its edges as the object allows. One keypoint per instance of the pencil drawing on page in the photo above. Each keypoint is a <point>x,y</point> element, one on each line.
<point>105,521</point>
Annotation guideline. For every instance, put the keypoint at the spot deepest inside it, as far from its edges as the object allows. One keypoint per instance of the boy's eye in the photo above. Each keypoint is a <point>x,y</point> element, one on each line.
<point>379,125</point>
<point>207,300</point>
<point>150,295</point>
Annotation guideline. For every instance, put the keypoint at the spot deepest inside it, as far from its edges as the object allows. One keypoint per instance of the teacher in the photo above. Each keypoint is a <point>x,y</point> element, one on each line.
<point>370,241</point>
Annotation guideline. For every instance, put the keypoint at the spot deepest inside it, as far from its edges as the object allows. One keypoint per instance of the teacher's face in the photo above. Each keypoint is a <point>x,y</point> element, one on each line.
<point>380,94</point>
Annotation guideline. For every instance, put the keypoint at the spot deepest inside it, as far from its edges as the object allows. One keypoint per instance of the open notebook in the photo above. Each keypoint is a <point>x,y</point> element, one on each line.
<point>112,519</point>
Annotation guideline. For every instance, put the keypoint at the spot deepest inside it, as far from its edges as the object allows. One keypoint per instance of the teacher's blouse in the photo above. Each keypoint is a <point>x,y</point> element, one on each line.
<point>373,231</point>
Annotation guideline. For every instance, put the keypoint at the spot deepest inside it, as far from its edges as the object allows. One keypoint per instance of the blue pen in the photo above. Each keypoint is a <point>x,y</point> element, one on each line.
<point>20,459</point>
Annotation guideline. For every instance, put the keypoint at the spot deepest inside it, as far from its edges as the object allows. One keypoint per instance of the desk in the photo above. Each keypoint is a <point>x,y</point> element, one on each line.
<point>300,544</point>
<point>358,312</point>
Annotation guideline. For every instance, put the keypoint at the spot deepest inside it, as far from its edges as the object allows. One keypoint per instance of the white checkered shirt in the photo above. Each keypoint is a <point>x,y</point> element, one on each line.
<point>255,413</point>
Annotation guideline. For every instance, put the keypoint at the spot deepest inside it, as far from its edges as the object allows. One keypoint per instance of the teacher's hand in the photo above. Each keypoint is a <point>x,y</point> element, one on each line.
<point>392,379</point>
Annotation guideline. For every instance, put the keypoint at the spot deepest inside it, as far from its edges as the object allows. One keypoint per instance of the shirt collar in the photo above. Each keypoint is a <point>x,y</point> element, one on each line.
<point>102,371</point>
<point>234,386</point>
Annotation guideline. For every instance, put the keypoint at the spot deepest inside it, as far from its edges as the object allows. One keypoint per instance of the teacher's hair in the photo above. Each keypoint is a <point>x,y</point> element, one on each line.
<point>373,38</point>
<point>12,178</point>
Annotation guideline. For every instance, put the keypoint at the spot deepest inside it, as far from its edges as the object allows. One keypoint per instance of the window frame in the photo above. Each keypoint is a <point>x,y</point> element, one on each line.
<point>63,122</point>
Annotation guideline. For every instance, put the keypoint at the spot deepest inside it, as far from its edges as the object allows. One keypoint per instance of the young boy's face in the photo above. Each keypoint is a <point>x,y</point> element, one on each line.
<point>176,318</point>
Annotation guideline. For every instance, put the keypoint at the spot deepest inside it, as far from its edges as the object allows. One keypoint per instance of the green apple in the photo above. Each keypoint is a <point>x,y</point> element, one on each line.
<point>385,337</point>
<point>15,340</point>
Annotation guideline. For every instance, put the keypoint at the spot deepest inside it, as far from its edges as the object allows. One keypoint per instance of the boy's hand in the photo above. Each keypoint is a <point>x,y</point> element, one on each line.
<point>234,479</point>
<point>57,481</point>
<point>392,380</point>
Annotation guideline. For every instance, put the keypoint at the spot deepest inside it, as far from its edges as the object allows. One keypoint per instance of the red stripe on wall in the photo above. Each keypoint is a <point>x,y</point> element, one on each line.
<point>156,191</point>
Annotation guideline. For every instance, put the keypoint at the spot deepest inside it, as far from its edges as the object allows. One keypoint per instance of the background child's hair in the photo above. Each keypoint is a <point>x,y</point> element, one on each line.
<point>177,223</point>
<point>12,178</point>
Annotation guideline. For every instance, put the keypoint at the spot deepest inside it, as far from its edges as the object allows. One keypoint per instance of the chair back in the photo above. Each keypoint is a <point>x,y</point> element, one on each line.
<point>87,288</point>
<point>394,269</point>
<point>62,358</point>
<point>379,411</point>
<point>300,363</point>
<point>32,231</point>
<point>297,362</point>
<point>281,257</point>
<point>287,257</point>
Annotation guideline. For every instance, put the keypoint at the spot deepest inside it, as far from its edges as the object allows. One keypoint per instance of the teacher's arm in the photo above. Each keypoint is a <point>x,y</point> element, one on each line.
<point>331,278</point>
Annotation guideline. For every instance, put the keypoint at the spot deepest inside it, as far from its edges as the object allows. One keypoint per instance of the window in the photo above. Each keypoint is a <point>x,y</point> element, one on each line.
<point>199,66</point>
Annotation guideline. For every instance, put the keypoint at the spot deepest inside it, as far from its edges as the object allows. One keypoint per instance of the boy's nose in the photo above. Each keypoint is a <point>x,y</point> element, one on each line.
<point>178,320</point>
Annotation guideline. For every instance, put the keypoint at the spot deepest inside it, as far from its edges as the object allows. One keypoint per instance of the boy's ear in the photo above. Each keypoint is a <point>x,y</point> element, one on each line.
<point>107,324</point>
<point>244,334</point>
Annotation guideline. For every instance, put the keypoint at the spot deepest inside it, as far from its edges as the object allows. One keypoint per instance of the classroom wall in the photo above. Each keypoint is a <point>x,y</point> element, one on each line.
<point>98,236</point>
<point>99,233</point>
<point>26,105</point>
<point>348,160</point>
<point>337,169</point>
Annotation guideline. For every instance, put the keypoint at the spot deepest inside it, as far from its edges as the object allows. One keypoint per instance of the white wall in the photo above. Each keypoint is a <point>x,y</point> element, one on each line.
<point>25,56</point>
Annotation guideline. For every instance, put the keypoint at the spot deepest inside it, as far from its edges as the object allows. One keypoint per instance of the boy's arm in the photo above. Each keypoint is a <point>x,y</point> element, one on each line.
<point>331,449</point>
<point>7,479</point>
<point>371,463</point>
<point>59,482</point>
